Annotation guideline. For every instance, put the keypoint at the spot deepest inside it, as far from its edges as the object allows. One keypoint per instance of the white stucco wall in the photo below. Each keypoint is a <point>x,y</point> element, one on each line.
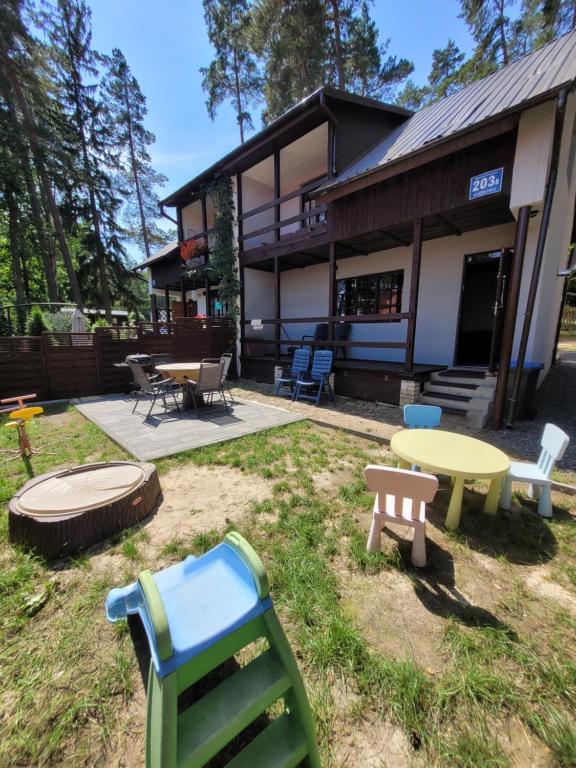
<point>304,293</point>
<point>548,298</point>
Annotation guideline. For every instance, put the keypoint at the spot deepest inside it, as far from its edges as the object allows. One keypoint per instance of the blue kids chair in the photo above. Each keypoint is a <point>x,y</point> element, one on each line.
<point>422,416</point>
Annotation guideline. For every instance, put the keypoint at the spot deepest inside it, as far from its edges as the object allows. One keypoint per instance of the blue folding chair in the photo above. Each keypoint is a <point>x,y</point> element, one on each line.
<point>422,416</point>
<point>318,379</point>
<point>289,377</point>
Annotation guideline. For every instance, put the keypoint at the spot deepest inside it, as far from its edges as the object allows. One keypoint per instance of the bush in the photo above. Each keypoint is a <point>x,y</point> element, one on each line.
<point>59,322</point>
<point>36,323</point>
<point>100,322</point>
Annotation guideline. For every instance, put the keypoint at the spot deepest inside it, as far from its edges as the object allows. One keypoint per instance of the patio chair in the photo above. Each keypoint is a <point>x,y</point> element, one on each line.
<point>320,333</point>
<point>226,360</point>
<point>342,333</point>
<point>553,443</point>
<point>318,379</point>
<point>153,388</point>
<point>209,383</point>
<point>422,416</point>
<point>289,376</point>
<point>401,498</point>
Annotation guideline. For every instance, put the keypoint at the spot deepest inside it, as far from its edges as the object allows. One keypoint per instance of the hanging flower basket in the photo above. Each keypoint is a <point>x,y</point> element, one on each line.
<point>192,251</point>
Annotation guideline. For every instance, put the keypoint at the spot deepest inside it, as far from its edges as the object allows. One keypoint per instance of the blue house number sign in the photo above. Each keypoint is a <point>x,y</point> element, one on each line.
<point>488,183</point>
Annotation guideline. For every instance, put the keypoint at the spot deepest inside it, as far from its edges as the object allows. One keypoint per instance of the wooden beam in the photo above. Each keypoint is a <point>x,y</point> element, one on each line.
<point>179,224</point>
<point>277,194</point>
<point>284,198</point>
<point>183,299</point>
<point>242,276</point>
<point>239,211</point>
<point>449,224</point>
<point>154,307</point>
<point>374,318</point>
<point>277,226</point>
<point>167,299</point>
<point>331,287</point>
<point>414,286</point>
<point>394,238</point>
<point>510,314</point>
<point>277,327</point>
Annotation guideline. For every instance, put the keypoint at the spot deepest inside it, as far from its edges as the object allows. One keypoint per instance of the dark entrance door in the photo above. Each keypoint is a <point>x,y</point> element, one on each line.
<point>484,288</point>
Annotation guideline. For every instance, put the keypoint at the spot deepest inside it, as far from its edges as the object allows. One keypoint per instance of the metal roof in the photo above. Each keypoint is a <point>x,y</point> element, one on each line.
<point>165,251</point>
<point>527,80</point>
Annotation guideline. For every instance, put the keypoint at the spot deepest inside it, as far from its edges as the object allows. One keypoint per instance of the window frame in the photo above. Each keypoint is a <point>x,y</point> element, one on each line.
<point>392,307</point>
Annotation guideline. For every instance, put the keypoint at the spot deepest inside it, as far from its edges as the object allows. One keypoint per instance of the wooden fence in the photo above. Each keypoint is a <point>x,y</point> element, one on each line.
<point>62,365</point>
<point>569,318</point>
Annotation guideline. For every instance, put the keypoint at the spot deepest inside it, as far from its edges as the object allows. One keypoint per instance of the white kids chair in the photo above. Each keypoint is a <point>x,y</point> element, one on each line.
<point>401,498</point>
<point>553,443</point>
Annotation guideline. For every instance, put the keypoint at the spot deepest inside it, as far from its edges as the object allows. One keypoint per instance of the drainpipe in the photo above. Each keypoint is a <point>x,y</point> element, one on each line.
<point>539,255</point>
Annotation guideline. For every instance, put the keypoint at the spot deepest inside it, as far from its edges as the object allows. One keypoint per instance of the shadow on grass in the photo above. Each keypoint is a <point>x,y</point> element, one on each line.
<point>520,535</point>
<point>435,587</point>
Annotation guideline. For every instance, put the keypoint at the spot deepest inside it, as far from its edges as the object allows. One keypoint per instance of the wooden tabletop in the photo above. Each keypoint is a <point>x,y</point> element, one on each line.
<point>182,372</point>
<point>450,454</point>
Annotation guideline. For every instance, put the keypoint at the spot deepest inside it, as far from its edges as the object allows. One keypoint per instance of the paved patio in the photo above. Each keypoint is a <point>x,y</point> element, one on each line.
<point>164,434</point>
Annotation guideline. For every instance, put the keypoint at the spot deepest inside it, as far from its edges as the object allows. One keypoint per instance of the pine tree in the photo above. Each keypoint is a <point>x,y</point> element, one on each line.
<point>76,66</point>
<point>492,31</point>
<point>24,94</point>
<point>290,36</point>
<point>233,74</point>
<point>543,20</point>
<point>444,78</point>
<point>126,106</point>
<point>308,43</point>
<point>369,71</point>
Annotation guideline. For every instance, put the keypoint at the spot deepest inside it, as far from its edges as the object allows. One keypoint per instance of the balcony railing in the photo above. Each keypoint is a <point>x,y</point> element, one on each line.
<point>311,219</point>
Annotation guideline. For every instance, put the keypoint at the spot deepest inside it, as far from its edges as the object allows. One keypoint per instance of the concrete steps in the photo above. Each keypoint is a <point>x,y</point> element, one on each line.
<point>465,391</point>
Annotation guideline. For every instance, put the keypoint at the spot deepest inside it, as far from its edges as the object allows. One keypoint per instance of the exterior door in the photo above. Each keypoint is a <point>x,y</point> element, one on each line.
<point>482,302</point>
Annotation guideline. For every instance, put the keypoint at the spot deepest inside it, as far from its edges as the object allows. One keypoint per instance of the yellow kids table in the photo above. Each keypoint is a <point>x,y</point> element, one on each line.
<point>460,457</point>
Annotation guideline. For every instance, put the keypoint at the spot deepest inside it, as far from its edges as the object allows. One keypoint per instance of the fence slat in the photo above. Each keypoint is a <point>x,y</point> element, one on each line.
<point>61,365</point>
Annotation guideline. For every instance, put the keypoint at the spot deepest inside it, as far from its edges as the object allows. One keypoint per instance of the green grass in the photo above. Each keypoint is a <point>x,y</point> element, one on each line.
<point>71,676</point>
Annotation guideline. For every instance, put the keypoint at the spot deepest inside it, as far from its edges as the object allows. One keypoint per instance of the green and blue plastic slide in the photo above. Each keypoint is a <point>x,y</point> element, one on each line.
<point>198,615</point>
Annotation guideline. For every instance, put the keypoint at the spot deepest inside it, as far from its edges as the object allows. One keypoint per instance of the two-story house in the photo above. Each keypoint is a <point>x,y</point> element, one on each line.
<point>431,248</point>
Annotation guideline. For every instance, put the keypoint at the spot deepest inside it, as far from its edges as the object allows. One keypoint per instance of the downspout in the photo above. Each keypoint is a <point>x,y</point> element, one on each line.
<point>539,255</point>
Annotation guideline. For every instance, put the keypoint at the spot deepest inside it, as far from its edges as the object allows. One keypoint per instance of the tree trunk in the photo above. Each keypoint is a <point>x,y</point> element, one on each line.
<point>30,130</point>
<point>49,270</point>
<point>15,259</point>
<point>338,44</point>
<point>502,33</point>
<point>238,94</point>
<point>135,172</point>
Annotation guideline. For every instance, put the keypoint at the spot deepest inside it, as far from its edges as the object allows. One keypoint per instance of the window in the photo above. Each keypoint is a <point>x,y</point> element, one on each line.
<point>371,294</point>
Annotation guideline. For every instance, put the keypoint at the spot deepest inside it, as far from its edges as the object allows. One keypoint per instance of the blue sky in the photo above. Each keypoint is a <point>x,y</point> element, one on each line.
<point>165,45</point>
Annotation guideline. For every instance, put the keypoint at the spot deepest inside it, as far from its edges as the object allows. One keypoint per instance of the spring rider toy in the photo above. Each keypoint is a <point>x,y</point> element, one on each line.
<point>197,615</point>
<point>19,414</point>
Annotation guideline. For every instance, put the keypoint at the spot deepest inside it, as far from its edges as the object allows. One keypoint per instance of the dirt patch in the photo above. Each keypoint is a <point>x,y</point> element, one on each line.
<point>371,743</point>
<point>415,632</point>
<point>538,581</point>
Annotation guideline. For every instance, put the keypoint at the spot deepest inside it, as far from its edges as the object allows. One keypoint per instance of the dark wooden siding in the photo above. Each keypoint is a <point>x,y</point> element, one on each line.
<point>359,129</point>
<point>435,188</point>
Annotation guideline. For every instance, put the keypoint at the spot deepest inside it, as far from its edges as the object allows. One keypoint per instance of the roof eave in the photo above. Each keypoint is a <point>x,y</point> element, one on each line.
<point>338,188</point>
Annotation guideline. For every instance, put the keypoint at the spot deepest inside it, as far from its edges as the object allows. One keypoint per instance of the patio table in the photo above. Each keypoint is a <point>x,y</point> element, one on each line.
<point>458,456</point>
<point>183,373</point>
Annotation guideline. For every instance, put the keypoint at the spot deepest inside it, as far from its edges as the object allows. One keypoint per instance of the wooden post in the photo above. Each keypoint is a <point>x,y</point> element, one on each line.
<point>46,363</point>
<point>510,313</point>
<point>167,298</point>
<point>331,288</point>
<point>98,357</point>
<point>277,192</point>
<point>277,305</point>
<point>179,224</point>
<point>242,313</point>
<point>414,286</point>
<point>154,307</point>
<point>206,280</point>
<point>239,212</point>
<point>183,299</point>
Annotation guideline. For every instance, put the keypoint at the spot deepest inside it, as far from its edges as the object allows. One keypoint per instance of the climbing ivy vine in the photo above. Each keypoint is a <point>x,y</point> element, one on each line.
<point>221,265</point>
